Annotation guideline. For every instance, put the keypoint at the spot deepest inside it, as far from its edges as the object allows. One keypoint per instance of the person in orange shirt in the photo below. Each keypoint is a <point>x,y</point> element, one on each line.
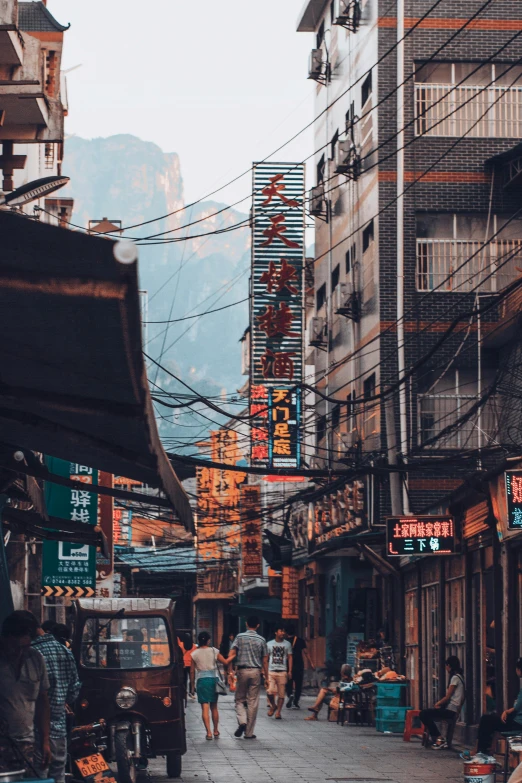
<point>159,647</point>
<point>188,648</point>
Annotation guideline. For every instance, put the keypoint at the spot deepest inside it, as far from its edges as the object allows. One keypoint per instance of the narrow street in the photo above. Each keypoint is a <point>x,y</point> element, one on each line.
<point>291,749</point>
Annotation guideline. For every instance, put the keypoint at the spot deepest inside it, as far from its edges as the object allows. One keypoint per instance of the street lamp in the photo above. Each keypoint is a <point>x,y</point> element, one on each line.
<point>32,191</point>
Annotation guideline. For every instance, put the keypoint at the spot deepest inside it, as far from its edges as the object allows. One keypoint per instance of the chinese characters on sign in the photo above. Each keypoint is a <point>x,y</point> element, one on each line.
<point>251,552</point>
<point>290,594</point>
<point>421,536</point>
<point>337,514</point>
<point>514,499</point>
<point>284,447</point>
<point>218,501</point>
<point>277,311</point>
<point>123,526</point>
<point>64,563</point>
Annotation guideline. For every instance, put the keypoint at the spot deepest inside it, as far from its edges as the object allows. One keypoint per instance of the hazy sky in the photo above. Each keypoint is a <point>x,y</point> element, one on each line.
<point>220,83</point>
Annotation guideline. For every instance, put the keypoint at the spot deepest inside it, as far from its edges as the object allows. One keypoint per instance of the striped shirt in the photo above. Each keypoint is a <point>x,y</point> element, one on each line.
<point>64,685</point>
<point>251,649</point>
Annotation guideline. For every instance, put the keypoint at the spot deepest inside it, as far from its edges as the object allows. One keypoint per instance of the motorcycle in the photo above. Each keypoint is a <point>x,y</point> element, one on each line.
<point>87,749</point>
<point>131,670</point>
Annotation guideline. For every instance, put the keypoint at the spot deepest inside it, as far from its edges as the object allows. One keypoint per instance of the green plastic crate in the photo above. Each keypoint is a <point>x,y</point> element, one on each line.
<point>389,690</point>
<point>391,719</point>
<point>388,701</point>
<point>391,726</point>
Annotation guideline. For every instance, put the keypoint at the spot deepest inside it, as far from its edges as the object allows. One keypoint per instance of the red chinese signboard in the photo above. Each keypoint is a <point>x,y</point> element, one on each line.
<point>218,501</point>
<point>290,594</point>
<point>251,552</point>
<point>277,301</point>
<point>427,535</point>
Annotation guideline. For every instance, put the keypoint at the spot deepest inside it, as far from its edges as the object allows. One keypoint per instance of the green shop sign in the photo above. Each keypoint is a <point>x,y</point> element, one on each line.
<point>66,564</point>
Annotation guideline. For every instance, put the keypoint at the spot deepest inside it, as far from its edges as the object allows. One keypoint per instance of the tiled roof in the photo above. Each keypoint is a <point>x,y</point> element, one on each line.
<point>35,17</point>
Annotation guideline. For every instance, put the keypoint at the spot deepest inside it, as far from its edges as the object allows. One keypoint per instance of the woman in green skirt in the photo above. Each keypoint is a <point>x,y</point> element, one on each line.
<point>205,674</point>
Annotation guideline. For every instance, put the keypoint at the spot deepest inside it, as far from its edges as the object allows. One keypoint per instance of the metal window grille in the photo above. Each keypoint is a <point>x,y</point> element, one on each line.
<point>443,111</point>
<point>49,155</point>
<point>459,264</point>
<point>438,411</point>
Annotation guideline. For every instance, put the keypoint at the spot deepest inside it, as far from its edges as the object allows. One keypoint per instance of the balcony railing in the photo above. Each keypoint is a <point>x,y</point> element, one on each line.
<point>468,110</point>
<point>461,264</point>
<point>438,411</point>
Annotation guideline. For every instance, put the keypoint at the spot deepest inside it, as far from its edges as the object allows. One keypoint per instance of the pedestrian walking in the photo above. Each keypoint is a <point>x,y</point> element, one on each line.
<point>250,653</point>
<point>188,648</point>
<point>204,673</point>
<point>294,685</point>
<point>279,671</point>
<point>446,707</point>
<point>64,687</point>
<point>24,702</point>
<point>61,633</point>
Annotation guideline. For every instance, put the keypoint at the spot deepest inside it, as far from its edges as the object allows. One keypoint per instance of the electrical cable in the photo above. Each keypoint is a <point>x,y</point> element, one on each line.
<point>411,29</point>
<point>198,315</point>
<point>418,22</point>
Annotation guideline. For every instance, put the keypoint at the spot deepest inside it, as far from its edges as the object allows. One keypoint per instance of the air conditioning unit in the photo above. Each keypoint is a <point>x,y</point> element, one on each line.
<point>347,159</point>
<point>341,296</point>
<point>316,68</point>
<point>317,331</point>
<point>317,201</point>
<point>346,301</point>
<point>348,14</point>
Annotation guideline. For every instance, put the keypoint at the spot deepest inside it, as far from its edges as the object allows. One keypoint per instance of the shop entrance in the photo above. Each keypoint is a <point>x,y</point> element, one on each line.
<point>430,597</point>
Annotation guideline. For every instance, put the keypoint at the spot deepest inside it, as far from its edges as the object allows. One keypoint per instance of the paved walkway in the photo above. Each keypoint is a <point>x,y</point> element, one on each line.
<point>292,750</point>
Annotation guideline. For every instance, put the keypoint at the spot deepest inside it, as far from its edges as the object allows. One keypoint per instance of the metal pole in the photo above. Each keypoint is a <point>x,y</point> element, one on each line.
<point>403,419</point>
<point>391,445</point>
<point>6,605</point>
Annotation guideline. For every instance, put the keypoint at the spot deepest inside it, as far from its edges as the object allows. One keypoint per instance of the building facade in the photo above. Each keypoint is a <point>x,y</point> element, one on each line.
<point>418,237</point>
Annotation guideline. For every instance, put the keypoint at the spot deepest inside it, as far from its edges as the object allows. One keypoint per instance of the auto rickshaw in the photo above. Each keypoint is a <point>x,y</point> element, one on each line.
<point>131,670</point>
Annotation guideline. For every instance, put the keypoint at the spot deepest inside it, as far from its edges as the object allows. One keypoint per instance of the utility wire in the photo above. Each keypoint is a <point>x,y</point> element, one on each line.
<point>199,315</point>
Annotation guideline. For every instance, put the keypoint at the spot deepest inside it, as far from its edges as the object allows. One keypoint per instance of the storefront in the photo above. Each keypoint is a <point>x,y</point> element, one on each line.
<point>337,591</point>
<point>467,604</point>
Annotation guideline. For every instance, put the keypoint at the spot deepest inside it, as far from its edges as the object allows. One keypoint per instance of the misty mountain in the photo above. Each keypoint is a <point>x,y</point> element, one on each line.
<point>125,178</point>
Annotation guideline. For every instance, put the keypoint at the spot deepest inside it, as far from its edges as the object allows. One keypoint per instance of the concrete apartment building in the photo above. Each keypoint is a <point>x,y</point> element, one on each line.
<point>444,216</point>
<point>33,101</point>
<point>416,199</point>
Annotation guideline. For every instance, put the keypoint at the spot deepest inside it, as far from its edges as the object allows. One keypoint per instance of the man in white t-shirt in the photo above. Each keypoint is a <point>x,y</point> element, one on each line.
<point>279,671</point>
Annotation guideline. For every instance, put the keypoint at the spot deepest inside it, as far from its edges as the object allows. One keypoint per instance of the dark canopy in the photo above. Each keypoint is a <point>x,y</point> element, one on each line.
<point>72,377</point>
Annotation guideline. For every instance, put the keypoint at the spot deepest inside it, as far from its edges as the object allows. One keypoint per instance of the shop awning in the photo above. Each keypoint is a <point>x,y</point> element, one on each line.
<point>74,382</point>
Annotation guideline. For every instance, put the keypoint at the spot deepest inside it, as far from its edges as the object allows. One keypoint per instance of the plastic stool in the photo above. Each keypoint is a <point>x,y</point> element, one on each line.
<point>409,730</point>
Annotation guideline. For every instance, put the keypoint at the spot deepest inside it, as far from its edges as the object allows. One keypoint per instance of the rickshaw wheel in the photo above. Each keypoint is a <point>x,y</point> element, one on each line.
<point>123,749</point>
<point>174,764</point>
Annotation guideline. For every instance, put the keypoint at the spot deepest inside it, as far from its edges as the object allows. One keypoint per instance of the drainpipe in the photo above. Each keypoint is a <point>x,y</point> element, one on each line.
<point>403,419</point>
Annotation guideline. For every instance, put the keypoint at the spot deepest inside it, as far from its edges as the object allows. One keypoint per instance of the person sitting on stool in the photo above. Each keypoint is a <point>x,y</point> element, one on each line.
<point>326,695</point>
<point>449,706</point>
<point>510,720</point>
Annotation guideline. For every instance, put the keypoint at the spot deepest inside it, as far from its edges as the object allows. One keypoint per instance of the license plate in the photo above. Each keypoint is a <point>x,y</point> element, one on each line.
<point>90,765</point>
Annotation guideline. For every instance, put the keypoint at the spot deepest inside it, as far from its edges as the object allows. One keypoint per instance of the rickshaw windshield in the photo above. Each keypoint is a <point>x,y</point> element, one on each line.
<point>125,643</point>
